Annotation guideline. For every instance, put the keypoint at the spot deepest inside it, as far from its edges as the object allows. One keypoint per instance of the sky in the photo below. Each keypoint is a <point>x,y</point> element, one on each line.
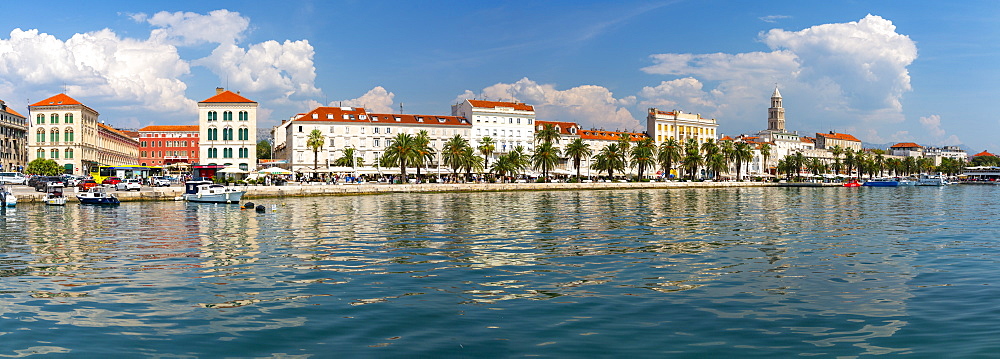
<point>883,71</point>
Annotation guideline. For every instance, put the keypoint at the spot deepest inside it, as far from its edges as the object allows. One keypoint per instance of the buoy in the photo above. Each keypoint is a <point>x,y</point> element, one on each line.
<point>260,209</point>
<point>248,205</point>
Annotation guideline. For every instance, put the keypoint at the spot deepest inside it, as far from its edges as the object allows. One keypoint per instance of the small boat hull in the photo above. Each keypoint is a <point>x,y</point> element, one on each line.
<point>56,201</point>
<point>99,201</point>
<point>228,197</point>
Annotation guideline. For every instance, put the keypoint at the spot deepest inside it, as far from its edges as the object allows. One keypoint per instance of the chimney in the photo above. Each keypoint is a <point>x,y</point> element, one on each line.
<point>219,90</point>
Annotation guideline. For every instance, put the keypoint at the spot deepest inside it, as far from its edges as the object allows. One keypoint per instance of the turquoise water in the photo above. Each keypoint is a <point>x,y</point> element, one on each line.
<point>747,272</point>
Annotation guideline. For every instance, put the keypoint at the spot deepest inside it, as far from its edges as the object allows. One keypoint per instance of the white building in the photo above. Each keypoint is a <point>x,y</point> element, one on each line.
<point>509,124</point>
<point>368,134</point>
<point>69,133</point>
<point>953,152</point>
<point>13,140</point>
<point>680,126</point>
<point>227,124</point>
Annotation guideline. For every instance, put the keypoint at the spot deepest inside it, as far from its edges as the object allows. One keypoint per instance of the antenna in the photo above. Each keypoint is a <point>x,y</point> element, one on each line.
<point>400,108</point>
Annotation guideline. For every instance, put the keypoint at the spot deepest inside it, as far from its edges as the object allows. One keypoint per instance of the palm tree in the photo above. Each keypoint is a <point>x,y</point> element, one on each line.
<point>315,142</point>
<point>519,159</point>
<point>349,159</point>
<point>692,157</point>
<point>798,160</point>
<point>486,147</point>
<point>816,166</point>
<point>401,151</point>
<point>471,162</point>
<point>727,148</point>
<point>425,154</point>
<point>577,150</point>
<point>609,159</point>
<point>837,151</point>
<point>668,154</point>
<point>454,152</point>
<point>742,153</point>
<point>765,151</point>
<point>548,133</point>
<point>716,163</point>
<point>545,158</point>
<point>709,148</point>
<point>850,161</point>
<point>644,155</point>
<point>624,147</point>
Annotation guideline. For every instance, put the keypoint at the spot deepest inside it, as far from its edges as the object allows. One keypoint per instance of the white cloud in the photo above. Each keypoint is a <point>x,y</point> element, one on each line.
<point>188,28</point>
<point>587,105</point>
<point>836,75</point>
<point>773,18</point>
<point>376,100</point>
<point>940,137</point>
<point>280,72</point>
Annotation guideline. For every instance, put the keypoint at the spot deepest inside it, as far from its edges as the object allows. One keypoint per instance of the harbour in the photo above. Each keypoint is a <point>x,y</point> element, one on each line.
<point>708,272</point>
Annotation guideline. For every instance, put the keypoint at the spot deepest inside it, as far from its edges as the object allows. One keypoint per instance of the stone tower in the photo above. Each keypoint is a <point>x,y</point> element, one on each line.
<point>776,114</point>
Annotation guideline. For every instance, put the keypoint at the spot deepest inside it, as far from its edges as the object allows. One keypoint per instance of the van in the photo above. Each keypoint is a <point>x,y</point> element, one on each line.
<point>12,178</point>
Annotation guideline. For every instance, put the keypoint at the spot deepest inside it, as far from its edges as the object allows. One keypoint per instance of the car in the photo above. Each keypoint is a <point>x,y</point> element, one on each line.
<point>158,181</point>
<point>111,180</point>
<point>12,178</point>
<point>86,184</point>
<point>129,184</point>
<point>42,181</point>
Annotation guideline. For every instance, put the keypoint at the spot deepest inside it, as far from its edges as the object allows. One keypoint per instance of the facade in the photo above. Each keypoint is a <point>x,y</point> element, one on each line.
<point>13,140</point>
<point>355,128</point>
<point>830,140</point>
<point>906,149</point>
<point>952,152</point>
<point>677,125</point>
<point>568,132</point>
<point>509,124</point>
<point>227,131</point>
<point>68,132</point>
<point>599,139</point>
<point>168,145</point>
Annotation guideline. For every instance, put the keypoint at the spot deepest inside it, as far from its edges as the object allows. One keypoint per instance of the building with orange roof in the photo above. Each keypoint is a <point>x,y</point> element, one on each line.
<point>508,124</point>
<point>984,153</point>
<point>69,132</point>
<point>168,145</point>
<point>676,125</point>
<point>13,140</point>
<point>906,149</point>
<point>227,125</point>
<point>368,134</point>
<point>826,141</point>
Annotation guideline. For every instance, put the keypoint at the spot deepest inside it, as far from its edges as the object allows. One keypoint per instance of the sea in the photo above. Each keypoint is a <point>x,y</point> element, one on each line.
<point>663,273</point>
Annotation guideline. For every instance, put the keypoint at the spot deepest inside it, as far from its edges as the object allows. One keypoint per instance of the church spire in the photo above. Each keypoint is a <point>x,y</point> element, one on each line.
<point>776,114</point>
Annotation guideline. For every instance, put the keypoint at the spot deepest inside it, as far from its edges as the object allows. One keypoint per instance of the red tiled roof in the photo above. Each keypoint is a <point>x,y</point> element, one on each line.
<point>12,112</point>
<point>112,129</point>
<point>227,97</point>
<point>491,104</point>
<point>186,128</point>
<point>60,99</point>
<point>984,153</point>
<point>726,138</point>
<point>357,114</point>
<point>609,135</point>
<point>838,136</point>
<point>905,145</point>
<point>807,139</point>
<point>562,126</point>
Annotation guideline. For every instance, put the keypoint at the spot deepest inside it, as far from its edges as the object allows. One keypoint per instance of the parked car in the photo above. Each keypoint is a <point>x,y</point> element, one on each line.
<point>158,181</point>
<point>129,184</point>
<point>41,182</point>
<point>86,184</point>
<point>111,180</point>
<point>12,178</point>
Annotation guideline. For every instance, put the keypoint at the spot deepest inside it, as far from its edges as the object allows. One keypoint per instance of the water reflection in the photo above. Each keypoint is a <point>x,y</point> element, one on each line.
<point>827,270</point>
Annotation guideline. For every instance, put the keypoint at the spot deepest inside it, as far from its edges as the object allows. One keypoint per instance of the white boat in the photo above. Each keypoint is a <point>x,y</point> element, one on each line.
<point>97,195</point>
<point>8,198</point>
<point>208,192</point>
<point>54,194</point>
<point>932,180</point>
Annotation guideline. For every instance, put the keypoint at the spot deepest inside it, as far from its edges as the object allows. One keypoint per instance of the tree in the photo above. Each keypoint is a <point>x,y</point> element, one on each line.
<point>486,147</point>
<point>716,163</point>
<point>815,166</point>
<point>624,147</point>
<point>425,154</point>
<point>548,133</point>
<point>836,151</point>
<point>742,153</point>
<point>692,157</point>
<point>609,159</point>
<point>644,155</point>
<point>44,167</point>
<point>315,141</point>
<point>668,154</point>
<point>454,153</point>
<point>765,151</point>
<point>263,149</point>
<point>577,150</point>
<point>349,159</point>
<point>797,161</point>
<point>471,162</point>
<point>545,157</point>
<point>401,151</point>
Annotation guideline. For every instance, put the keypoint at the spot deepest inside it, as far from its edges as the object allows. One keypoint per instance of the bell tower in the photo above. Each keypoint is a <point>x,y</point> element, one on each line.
<point>776,114</point>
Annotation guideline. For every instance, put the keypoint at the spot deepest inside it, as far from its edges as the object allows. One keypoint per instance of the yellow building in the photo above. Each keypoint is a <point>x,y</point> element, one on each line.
<point>68,132</point>
<point>665,125</point>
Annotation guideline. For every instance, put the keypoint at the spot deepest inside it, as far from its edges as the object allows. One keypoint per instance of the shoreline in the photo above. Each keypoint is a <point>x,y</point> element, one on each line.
<point>307,190</point>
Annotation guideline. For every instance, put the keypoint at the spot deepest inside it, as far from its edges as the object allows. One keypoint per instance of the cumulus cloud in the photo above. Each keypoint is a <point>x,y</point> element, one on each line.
<point>587,105</point>
<point>773,18</point>
<point>940,137</point>
<point>280,71</point>
<point>376,100</point>
<point>840,74</point>
<point>188,28</point>
<point>128,73</point>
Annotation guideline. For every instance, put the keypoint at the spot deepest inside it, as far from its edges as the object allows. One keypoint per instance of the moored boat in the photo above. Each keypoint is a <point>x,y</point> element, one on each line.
<point>7,198</point>
<point>54,194</point>
<point>208,192</point>
<point>98,195</point>
<point>889,182</point>
<point>931,180</point>
<point>852,183</point>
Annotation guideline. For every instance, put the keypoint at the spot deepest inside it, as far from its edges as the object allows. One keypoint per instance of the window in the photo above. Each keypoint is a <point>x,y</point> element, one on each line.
<point>69,119</point>
<point>388,130</point>
<point>300,128</point>
<point>54,152</point>
<point>244,153</point>
<point>54,135</point>
<point>69,153</point>
<point>213,134</point>
<point>244,134</point>
<point>244,166</point>
<point>376,142</point>
<point>213,153</point>
<point>40,136</point>
<point>227,116</point>
<point>54,118</point>
<point>376,129</point>
<point>213,116</point>
<point>227,134</point>
<point>68,136</point>
<point>331,142</point>
<point>227,153</point>
<point>244,116</point>
<point>40,119</point>
<point>142,153</point>
<point>40,153</point>
<point>143,144</point>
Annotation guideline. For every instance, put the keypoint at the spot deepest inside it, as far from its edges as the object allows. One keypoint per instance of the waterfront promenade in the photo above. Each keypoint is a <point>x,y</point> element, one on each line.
<point>27,195</point>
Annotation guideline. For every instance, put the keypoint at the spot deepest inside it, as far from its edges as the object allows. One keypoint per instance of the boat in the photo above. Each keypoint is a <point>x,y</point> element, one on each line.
<point>7,198</point>
<point>932,180</point>
<point>889,182</point>
<point>98,195</point>
<point>852,183</point>
<point>208,192</point>
<point>54,194</point>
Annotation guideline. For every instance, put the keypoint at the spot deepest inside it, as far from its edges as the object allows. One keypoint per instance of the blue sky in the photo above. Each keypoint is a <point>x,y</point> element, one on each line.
<point>886,71</point>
